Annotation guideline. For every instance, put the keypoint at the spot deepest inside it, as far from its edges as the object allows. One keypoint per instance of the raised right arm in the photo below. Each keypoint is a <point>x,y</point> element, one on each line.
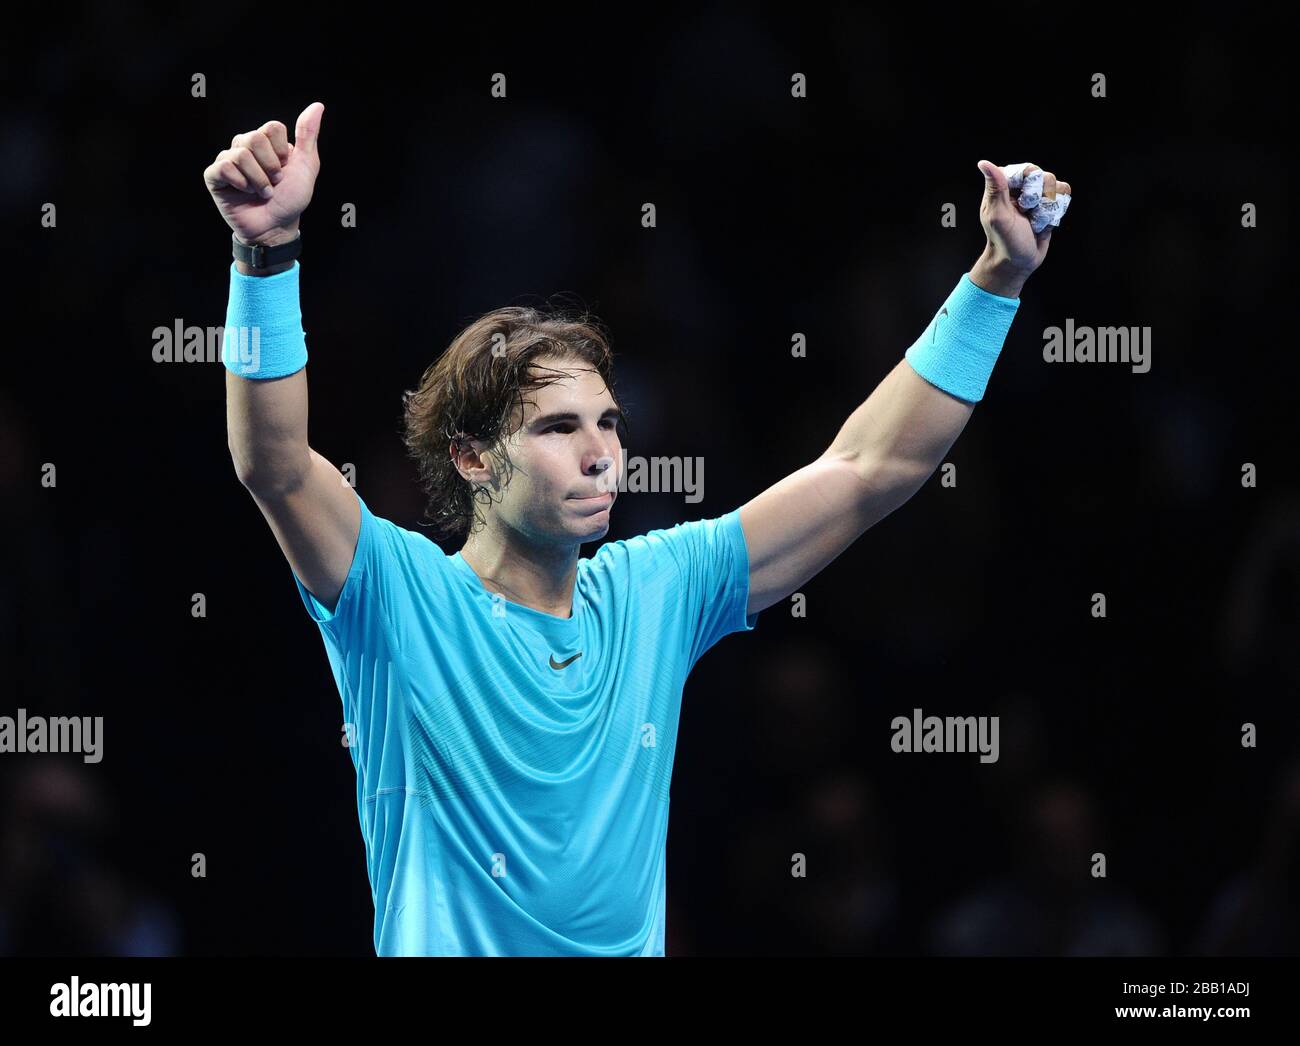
<point>261,185</point>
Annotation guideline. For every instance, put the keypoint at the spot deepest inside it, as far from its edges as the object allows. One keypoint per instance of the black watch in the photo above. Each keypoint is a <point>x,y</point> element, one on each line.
<point>257,256</point>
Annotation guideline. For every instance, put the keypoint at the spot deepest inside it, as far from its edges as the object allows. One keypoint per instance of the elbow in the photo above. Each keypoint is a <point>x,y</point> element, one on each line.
<point>880,475</point>
<point>888,483</point>
<point>910,475</point>
<point>267,479</point>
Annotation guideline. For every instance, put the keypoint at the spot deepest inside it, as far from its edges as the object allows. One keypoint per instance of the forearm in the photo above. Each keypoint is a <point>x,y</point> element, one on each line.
<point>902,431</point>
<point>266,416</point>
<point>908,423</point>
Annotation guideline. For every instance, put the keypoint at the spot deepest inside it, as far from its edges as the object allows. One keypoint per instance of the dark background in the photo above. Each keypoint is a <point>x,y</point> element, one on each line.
<point>1119,735</point>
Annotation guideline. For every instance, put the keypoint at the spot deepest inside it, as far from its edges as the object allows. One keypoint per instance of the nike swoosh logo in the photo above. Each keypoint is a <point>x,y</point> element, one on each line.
<point>566,662</point>
<point>942,312</point>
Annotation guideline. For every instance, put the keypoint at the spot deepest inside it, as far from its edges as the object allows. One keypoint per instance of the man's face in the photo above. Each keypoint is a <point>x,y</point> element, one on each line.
<point>566,456</point>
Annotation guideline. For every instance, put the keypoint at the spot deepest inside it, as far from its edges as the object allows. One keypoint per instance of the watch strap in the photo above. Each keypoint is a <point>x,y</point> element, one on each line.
<point>259,256</point>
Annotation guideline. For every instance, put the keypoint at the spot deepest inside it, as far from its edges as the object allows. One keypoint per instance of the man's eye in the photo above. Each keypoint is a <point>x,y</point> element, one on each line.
<point>609,423</point>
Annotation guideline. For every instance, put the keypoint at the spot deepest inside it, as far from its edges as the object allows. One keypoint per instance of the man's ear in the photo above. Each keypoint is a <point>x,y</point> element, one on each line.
<point>464,456</point>
<point>474,457</point>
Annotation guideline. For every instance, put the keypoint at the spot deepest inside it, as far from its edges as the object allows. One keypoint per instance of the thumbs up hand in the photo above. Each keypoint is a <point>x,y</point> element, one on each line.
<point>263,183</point>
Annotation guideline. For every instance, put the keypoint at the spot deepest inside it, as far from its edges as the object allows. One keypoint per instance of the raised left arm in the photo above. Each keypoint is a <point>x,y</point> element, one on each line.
<point>892,443</point>
<point>882,456</point>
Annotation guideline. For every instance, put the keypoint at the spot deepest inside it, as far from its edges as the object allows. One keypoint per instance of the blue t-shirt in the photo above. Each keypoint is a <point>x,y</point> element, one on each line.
<point>513,767</point>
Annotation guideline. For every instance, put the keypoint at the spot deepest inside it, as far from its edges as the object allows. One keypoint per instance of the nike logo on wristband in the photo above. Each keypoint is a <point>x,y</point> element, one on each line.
<point>942,312</point>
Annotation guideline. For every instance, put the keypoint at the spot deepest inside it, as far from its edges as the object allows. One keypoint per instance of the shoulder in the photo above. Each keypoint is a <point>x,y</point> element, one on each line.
<point>398,548</point>
<point>683,544</point>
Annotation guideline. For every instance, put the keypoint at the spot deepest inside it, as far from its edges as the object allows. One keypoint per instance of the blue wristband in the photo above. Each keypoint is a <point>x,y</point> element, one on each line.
<point>958,349</point>
<point>263,337</point>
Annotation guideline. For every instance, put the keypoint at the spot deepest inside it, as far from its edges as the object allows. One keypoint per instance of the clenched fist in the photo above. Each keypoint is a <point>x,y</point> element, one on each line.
<point>1010,233</point>
<point>263,183</point>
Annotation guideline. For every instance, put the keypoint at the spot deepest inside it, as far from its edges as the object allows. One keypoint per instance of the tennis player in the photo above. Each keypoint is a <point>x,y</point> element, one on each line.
<point>511,709</point>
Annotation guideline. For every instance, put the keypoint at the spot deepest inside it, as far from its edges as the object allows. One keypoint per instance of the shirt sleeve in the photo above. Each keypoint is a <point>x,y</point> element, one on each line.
<point>370,594</point>
<point>364,636</point>
<point>713,561</point>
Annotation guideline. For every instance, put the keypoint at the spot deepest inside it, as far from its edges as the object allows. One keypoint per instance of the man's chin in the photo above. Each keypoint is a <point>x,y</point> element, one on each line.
<point>591,520</point>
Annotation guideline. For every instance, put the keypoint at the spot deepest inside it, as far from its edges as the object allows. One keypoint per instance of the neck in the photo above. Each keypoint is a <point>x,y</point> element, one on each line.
<point>538,577</point>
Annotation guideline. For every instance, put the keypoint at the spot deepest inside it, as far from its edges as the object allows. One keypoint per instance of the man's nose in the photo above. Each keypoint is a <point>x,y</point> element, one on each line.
<point>606,470</point>
<point>601,459</point>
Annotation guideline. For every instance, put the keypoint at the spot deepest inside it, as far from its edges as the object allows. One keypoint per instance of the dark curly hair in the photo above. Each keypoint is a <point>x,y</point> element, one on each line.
<point>475,390</point>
